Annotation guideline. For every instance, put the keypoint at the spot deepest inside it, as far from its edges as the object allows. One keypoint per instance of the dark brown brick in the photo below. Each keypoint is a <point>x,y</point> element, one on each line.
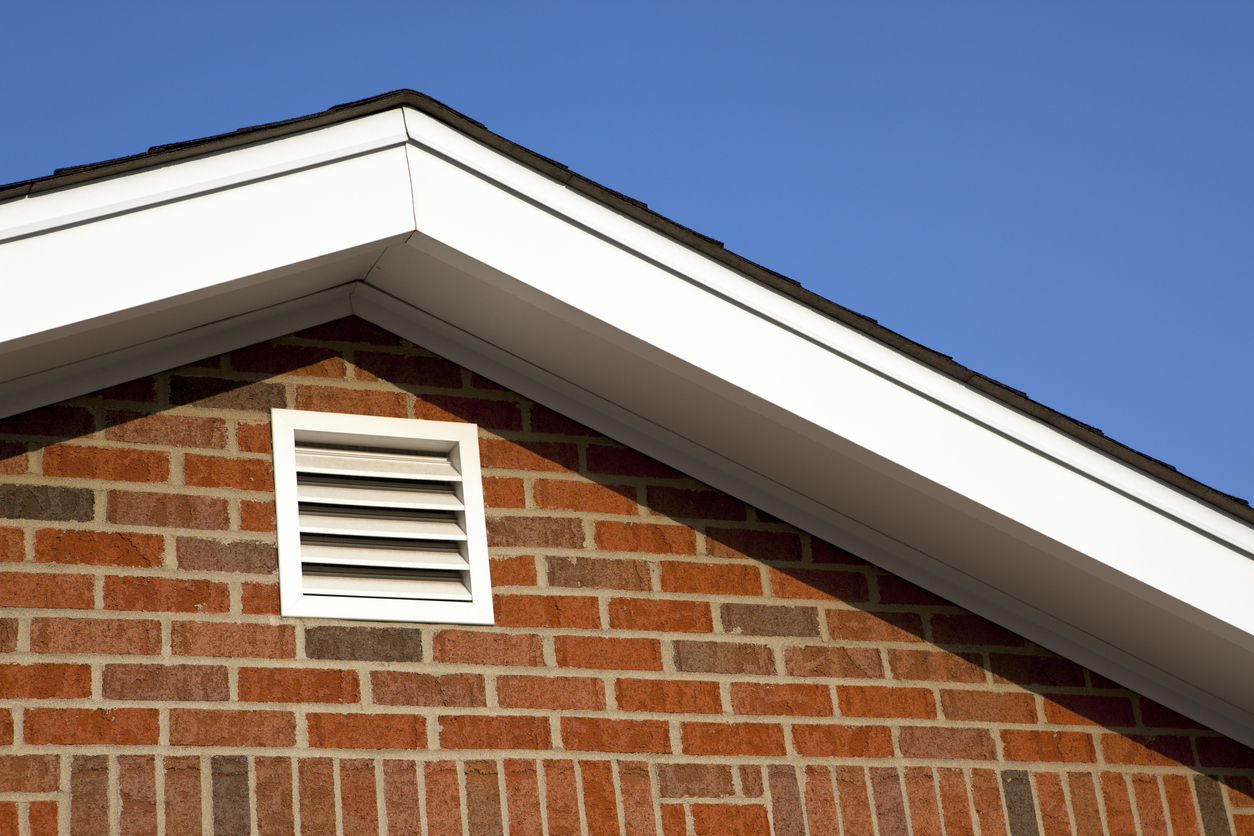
<point>46,502</point>
<point>51,422</point>
<point>166,430</point>
<point>492,414</point>
<point>723,657</point>
<point>620,461</point>
<point>89,796</point>
<point>545,420</point>
<point>528,455</point>
<point>248,556</point>
<point>753,544</point>
<point>819,584</point>
<point>682,504</point>
<point>765,620</point>
<point>535,532</point>
<point>827,661</point>
<point>1035,670</point>
<point>8,634</point>
<point>408,369</point>
<point>230,795</point>
<point>364,644</point>
<point>168,510</point>
<point>166,682</point>
<point>971,629</point>
<point>219,393</point>
<point>275,358</point>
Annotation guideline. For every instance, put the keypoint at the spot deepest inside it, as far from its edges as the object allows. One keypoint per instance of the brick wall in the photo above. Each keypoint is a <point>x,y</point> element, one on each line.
<point>666,659</point>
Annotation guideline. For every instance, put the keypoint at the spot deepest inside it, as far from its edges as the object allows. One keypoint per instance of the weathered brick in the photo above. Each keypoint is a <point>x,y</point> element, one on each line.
<point>409,688</point>
<point>168,510</point>
<point>786,815</point>
<point>754,544</point>
<point>859,626</point>
<point>118,464</point>
<point>46,502</point>
<point>101,635</point>
<point>30,773</point>
<point>544,456</point>
<point>758,739</point>
<point>514,571</point>
<point>1057,747</point>
<point>829,741</point>
<point>671,696</point>
<point>989,706</point>
<point>955,744</point>
<point>555,693</point>
<point>165,682</point>
<point>364,644</point>
<point>569,495</point>
<point>91,726</point>
<point>350,401</point>
<point>475,648</point>
<point>367,731</point>
<point>819,584</point>
<point>165,595</point>
<point>936,665</point>
<point>8,635</point>
<point>298,685</point>
<point>608,653</point>
<point>827,661</point>
<point>1088,709</point>
<point>219,472</point>
<point>751,785</point>
<point>231,816</point>
<point>45,682</point>
<point>794,700</point>
<point>767,620</point>
<point>599,573</point>
<point>660,615</point>
<point>487,732</point>
<point>645,537</point>
<point>165,430</point>
<point>99,548</point>
<point>712,578</point>
<point>1147,750</point>
<point>213,727</point>
<point>622,461</point>
<point>694,780</point>
<point>504,493</point>
<point>595,734</point>
<point>681,504</point>
<point>223,639</point>
<point>723,657</point>
<point>547,611</point>
<point>535,532</point>
<point>729,820</point>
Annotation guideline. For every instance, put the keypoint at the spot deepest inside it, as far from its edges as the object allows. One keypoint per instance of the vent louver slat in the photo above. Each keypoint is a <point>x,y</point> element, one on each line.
<point>380,523</point>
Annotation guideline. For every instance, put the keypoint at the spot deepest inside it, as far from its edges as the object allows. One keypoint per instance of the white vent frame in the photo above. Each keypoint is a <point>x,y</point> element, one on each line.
<point>380,601</point>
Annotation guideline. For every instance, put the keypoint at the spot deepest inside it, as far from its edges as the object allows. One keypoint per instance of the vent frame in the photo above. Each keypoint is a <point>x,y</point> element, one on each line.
<point>395,439</point>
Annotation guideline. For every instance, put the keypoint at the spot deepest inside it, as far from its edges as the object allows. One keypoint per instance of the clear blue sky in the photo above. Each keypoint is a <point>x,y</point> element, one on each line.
<point>1060,195</point>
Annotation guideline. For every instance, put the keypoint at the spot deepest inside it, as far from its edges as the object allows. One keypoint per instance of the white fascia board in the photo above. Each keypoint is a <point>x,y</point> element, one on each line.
<point>133,245</point>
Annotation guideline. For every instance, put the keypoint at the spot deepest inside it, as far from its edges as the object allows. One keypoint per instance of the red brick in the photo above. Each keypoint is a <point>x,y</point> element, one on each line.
<point>8,635</point>
<point>1088,816</point>
<point>33,589</point>
<point>1053,804</point>
<point>217,472</point>
<point>168,510</point>
<point>528,455</point>
<point>513,571</point>
<point>861,701</point>
<point>89,727</point>
<point>249,727</point>
<point>248,556</point>
<point>1146,750</point>
<point>50,421</point>
<point>989,706</point>
<point>751,781</point>
<point>753,544</point>
<point>474,648</point>
<point>1088,710</point>
<point>487,732</point>
<point>45,682</point>
<point>729,820</point>
<point>444,802</point>
<point>483,798</point>
<point>555,693</point>
<point>316,777</point>
<point>824,552</point>
<point>664,616</point>
<point>819,584</point>
<point>491,414</point>
<point>821,815</point>
<point>274,358</point>
<point>400,798</point>
<point>408,370</point>
<point>143,390</point>
<point>89,796</point>
<point>80,635</point>
<point>112,463</point>
<point>826,661</point>
<point>1239,790</point>
<point>956,744</point>
<point>30,773</point>
<point>358,805</point>
<point>547,611</point>
<point>165,595</point>
<point>1035,670</point>
<point>694,780</point>
<point>723,657</point>
<point>794,700</point>
<point>636,788</point>
<point>1181,807</point>
<point>986,798</point>
<point>137,788</point>
<point>591,497</point>
<point>504,493</point>
<point>13,459</point>
<point>182,795</point>
<point>1118,805</point>
<point>6,727</point>
<point>165,682</point>
<point>936,665</point>
<point>43,818</point>
<point>256,515</point>
<point>829,741</point>
<point>600,807</point>
<point>765,620</point>
<point>253,438</point>
<point>599,573</point>
<point>859,626</point>
<point>1223,751</point>
<point>1243,825</point>
<point>671,696</point>
<point>594,734</point>
<point>12,545</point>
<point>545,420</point>
<point>218,638</point>
<point>275,813</point>
<point>1057,747</point>
<point>620,461</point>
<point>681,504</point>
<point>409,688</point>
<point>855,803</point>
<point>711,578</point>
<point>99,548</point>
<point>1149,805</point>
<point>561,798</point>
<point>732,739</point>
<point>971,629</point>
<point>645,537</point>
<point>955,803</point>
<point>535,532</point>
<point>522,797</point>
<point>921,795</point>
<point>367,731</point>
<point>166,430</point>
<point>350,401</point>
<point>260,599</point>
<point>674,820</point>
<point>1156,716</point>
<point>895,590</point>
<point>298,685</point>
<point>608,653</point>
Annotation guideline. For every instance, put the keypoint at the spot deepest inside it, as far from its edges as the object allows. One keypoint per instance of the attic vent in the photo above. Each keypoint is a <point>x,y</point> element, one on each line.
<point>380,519</point>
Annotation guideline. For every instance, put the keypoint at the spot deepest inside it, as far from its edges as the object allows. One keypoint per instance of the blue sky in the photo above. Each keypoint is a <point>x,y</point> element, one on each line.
<point>1060,195</point>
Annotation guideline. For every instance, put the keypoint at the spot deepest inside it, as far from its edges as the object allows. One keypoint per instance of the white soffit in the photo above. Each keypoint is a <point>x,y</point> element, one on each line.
<point>571,302</point>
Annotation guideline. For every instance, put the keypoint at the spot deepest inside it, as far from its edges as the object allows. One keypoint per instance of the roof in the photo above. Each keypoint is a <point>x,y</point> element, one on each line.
<point>403,211</point>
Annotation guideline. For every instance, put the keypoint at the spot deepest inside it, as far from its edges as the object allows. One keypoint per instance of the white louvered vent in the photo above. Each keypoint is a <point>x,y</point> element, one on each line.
<point>380,519</point>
